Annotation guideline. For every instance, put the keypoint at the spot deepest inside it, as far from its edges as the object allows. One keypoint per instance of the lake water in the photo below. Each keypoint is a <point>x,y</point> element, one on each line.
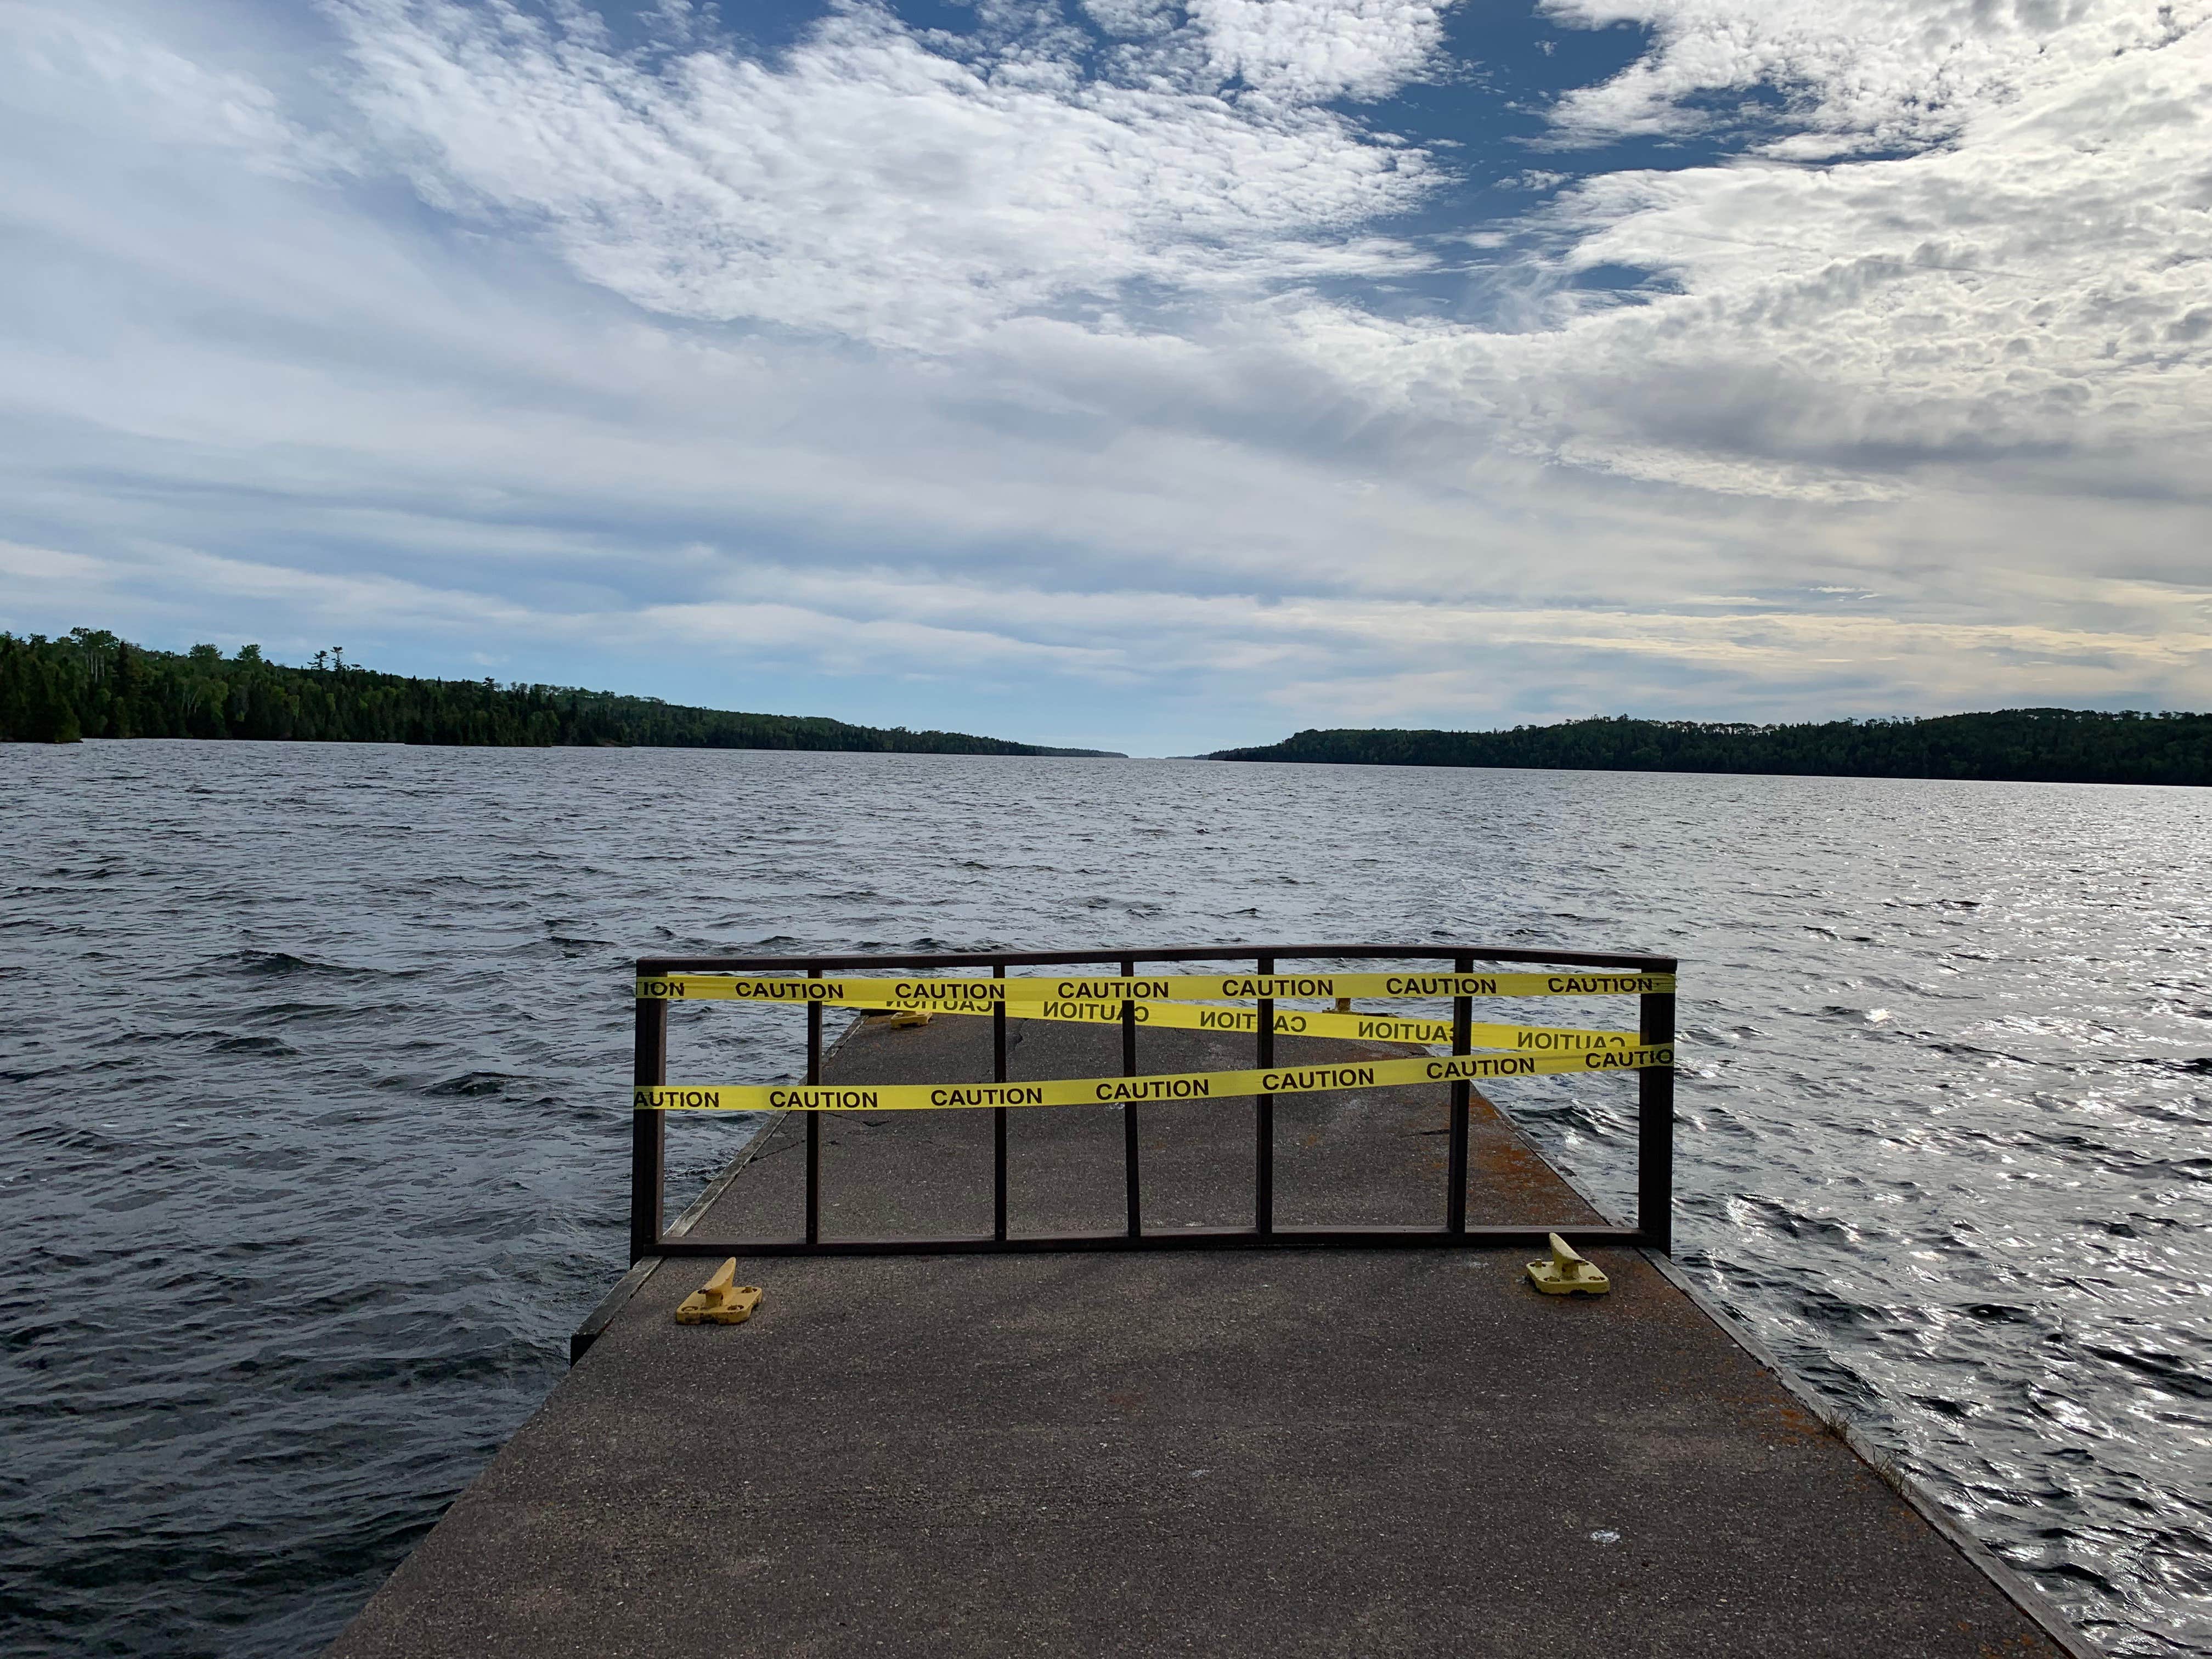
<point>314,1069</point>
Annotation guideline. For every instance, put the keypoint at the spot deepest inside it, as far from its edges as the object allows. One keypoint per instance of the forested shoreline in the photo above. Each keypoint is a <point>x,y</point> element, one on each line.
<point>91,684</point>
<point>2021,746</point>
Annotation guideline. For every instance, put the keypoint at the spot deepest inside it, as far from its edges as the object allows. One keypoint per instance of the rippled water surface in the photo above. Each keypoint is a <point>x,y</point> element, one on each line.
<point>314,1057</point>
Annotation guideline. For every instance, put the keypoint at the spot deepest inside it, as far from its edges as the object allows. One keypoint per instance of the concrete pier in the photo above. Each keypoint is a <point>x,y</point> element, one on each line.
<point>1277,1453</point>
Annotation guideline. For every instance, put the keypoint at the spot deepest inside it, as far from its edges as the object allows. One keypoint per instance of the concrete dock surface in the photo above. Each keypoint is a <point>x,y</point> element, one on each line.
<point>1262,1453</point>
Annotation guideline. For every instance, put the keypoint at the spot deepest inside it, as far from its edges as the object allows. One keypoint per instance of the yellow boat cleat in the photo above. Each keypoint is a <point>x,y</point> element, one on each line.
<point>719,1301</point>
<point>1567,1273</point>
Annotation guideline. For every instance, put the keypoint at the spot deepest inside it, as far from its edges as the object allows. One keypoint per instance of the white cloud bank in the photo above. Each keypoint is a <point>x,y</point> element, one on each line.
<point>2036,281</point>
<point>1851,76</point>
<point>871,185</point>
<point>1070,375</point>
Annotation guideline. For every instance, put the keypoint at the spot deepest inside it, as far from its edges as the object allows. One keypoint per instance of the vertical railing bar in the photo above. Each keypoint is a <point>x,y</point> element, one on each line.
<point>998,1114</point>
<point>1655,1126</point>
<point>1129,1107</point>
<point>813,1119</point>
<point>1263,1117</point>
<point>1463,1036</point>
<point>649,1130</point>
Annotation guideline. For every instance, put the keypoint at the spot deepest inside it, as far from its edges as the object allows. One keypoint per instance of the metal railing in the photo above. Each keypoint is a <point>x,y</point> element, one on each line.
<point>1655,1114</point>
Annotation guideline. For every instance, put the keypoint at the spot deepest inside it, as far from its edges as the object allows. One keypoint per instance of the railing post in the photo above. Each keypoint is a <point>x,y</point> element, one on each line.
<point>647,1130</point>
<point>1129,1107</point>
<point>1463,1033</point>
<point>998,1113</point>
<point>1654,1126</point>
<point>813,1119</point>
<point>1263,1169</point>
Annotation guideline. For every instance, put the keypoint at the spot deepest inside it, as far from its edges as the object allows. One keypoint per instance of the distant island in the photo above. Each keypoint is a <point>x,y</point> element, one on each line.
<point>91,685</point>
<point>2021,746</point>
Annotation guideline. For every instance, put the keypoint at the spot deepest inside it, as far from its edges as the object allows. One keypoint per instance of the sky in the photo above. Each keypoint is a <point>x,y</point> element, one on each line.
<point>1126,374</point>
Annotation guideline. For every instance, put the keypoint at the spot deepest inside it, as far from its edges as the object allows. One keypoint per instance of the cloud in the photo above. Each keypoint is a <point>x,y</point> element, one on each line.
<point>172,98</point>
<point>1846,76</point>
<point>869,185</point>
<point>1314,658</point>
<point>1084,367</point>
<point>1816,334</point>
<point>1303,51</point>
<point>2030,292</point>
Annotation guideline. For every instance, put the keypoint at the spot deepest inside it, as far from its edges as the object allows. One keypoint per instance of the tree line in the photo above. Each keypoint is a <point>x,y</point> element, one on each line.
<point>91,684</point>
<point>2032,745</point>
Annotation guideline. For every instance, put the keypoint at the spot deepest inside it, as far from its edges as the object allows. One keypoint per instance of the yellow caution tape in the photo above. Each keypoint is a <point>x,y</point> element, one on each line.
<point>1120,1091</point>
<point>1289,1022</point>
<point>1115,987</point>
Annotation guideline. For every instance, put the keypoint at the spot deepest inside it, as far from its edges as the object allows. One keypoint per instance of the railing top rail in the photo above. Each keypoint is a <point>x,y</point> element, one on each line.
<point>649,967</point>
